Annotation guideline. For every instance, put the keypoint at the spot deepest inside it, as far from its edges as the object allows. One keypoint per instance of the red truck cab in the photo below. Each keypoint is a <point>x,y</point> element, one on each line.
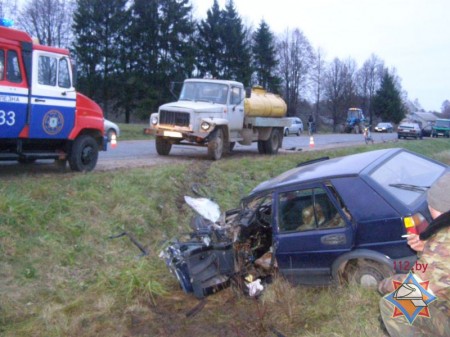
<point>41,114</point>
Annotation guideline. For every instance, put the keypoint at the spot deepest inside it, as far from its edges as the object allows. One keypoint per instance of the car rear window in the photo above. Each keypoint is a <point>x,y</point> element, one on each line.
<point>407,176</point>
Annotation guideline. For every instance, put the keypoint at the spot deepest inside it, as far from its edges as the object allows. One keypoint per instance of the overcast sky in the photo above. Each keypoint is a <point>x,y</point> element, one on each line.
<point>412,36</point>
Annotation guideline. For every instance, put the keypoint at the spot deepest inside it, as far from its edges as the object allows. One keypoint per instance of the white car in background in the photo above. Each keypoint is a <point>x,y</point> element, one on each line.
<point>111,129</point>
<point>295,128</point>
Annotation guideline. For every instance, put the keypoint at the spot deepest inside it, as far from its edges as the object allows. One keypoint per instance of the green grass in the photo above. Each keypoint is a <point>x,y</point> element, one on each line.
<point>61,274</point>
<point>133,131</point>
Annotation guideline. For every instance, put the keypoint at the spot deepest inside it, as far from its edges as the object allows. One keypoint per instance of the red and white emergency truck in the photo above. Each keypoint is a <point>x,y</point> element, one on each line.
<point>41,114</point>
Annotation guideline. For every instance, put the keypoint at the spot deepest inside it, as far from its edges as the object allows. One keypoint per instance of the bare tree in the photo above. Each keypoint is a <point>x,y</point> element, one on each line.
<point>339,88</point>
<point>296,59</point>
<point>48,20</point>
<point>317,78</point>
<point>8,9</point>
<point>369,79</point>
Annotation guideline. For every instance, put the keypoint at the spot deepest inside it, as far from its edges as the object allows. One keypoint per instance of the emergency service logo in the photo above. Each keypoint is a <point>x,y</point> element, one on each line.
<point>411,298</point>
<point>53,122</point>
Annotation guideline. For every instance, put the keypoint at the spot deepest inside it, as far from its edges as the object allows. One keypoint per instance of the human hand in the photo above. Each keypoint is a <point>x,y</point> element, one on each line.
<point>415,243</point>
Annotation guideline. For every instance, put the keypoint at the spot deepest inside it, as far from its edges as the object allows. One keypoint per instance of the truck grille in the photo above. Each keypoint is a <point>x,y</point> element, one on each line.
<point>173,118</point>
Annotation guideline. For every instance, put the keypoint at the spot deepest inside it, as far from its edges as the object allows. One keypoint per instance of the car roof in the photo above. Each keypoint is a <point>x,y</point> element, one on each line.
<point>350,165</point>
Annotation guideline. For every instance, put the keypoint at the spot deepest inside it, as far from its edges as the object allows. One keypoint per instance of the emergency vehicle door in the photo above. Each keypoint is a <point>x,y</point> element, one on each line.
<point>53,97</point>
<point>13,93</point>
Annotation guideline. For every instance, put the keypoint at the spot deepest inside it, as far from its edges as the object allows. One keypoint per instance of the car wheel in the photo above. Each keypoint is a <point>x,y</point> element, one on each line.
<point>286,132</point>
<point>163,146</point>
<point>365,273</point>
<point>298,132</point>
<point>110,133</point>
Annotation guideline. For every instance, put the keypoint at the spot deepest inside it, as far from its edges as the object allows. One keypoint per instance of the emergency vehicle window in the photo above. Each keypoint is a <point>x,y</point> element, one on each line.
<point>47,70</point>
<point>64,77</point>
<point>2,64</point>
<point>13,73</point>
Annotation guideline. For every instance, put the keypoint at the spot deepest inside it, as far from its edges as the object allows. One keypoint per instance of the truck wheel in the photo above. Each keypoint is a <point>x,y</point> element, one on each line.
<point>163,146</point>
<point>215,145</point>
<point>84,154</point>
<point>232,144</point>
<point>273,143</point>
<point>366,273</point>
<point>261,147</point>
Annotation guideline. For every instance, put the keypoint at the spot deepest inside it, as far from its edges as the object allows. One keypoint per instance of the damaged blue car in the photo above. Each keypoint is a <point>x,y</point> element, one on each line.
<point>326,221</point>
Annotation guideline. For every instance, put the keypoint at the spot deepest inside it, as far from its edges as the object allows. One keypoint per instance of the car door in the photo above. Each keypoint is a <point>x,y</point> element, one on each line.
<point>53,97</point>
<point>312,229</point>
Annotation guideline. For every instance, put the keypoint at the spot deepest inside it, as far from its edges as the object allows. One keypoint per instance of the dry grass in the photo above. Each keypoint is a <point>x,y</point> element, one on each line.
<point>61,274</point>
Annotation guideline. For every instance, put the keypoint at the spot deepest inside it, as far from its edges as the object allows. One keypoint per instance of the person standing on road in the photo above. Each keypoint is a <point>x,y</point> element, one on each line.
<point>310,125</point>
<point>433,246</point>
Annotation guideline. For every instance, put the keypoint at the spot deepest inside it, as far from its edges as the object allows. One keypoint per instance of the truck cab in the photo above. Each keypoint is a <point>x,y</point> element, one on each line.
<point>41,114</point>
<point>217,114</point>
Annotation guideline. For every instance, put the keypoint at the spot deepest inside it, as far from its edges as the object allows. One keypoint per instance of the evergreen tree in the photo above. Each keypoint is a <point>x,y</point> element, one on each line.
<point>99,29</point>
<point>237,51</point>
<point>387,103</point>
<point>265,61</point>
<point>209,43</point>
<point>161,49</point>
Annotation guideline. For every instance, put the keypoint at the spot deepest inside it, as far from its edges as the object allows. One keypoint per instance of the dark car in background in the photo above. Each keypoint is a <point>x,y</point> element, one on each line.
<point>384,127</point>
<point>441,128</point>
<point>326,221</point>
<point>409,130</point>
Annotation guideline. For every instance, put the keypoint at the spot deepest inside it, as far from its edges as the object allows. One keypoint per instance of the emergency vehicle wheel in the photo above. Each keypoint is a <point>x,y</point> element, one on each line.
<point>84,154</point>
<point>215,145</point>
<point>163,146</point>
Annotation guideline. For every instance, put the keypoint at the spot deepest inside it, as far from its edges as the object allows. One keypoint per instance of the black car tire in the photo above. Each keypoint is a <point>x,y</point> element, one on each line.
<point>110,133</point>
<point>366,273</point>
<point>286,132</point>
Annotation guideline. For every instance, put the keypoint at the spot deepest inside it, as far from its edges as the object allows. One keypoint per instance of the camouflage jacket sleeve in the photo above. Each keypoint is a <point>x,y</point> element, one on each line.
<point>387,286</point>
<point>436,259</point>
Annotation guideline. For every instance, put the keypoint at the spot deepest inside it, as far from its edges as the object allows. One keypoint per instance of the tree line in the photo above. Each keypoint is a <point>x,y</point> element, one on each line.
<point>129,52</point>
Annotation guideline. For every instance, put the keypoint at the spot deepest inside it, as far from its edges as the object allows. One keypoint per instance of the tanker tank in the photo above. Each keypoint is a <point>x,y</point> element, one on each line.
<point>264,104</point>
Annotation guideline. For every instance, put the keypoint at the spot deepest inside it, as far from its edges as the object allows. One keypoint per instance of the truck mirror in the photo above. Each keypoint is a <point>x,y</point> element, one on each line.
<point>248,92</point>
<point>74,73</point>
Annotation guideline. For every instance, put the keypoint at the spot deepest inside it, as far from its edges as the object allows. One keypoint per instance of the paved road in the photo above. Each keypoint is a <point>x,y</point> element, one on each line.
<point>146,148</point>
<point>142,153</point>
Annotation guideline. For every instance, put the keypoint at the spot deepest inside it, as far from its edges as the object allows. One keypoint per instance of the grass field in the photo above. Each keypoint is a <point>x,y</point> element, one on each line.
<point>62,275</point>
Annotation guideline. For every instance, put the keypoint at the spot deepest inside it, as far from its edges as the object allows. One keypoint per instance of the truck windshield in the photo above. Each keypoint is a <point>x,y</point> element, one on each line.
<point>204,91</point>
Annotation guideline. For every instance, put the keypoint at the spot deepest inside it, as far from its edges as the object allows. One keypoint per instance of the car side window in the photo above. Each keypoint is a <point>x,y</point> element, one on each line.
<point>305,210</point>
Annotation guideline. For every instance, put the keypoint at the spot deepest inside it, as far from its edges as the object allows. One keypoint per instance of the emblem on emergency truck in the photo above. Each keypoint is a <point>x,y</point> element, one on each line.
<point>53,122</point>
